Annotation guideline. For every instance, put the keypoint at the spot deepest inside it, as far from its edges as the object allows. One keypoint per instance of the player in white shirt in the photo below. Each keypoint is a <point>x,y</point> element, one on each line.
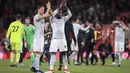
<point>58,42</point>
<point>38,42</point>
<point>77,27</point>
<point>120,29</point>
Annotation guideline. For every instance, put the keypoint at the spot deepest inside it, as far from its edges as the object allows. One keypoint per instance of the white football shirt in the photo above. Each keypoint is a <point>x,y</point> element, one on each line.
<point>119,34</point>
<point>58,25</point>
<point>39,27</point>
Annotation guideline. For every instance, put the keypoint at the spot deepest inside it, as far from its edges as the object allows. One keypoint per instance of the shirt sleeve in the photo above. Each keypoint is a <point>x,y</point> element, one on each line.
<point>33,29</point>
<point>66,18</point>
<point>55,12</point>
<point>8,31</point>
<point>84,29</point>
<point>25,39</point>
<point>53,15</point>
<point>37,18</point>
<point>23,32</point>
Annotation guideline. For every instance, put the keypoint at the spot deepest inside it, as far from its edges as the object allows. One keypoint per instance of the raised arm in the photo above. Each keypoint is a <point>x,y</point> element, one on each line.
<point>124,26</point>
<point>55,12</point>
<point>47,13</point>
<point>68,16</point>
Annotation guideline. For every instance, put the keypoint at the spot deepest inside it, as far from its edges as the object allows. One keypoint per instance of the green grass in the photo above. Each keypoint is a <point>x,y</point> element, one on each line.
<point>125,68</point>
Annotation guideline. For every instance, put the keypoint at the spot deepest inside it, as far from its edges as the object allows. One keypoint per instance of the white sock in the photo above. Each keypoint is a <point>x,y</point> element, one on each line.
<point>119,58</point>
<point>65,62</point>
<point>73,54</point>
<point>36,62</point>
<point>75,58</point>
<point>52,61</point>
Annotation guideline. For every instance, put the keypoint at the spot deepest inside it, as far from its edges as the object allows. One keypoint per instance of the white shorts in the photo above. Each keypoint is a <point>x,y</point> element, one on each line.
<point>58,45</point>
<point>38,44</point>
<point>119,46</point>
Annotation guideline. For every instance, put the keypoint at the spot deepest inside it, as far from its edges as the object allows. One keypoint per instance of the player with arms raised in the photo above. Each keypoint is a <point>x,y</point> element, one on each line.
<point>120,29</point>
<point>58,42</point>
<point>38,42</point>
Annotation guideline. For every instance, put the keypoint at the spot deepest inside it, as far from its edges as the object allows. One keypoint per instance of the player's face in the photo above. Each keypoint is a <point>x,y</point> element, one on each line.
<point>82,25</point>
<point>27,21</point>
<point>46,25</point>
<point>60,14</point>
<point>98,26</point>
<point>41,10</point>
<point>78,21</point>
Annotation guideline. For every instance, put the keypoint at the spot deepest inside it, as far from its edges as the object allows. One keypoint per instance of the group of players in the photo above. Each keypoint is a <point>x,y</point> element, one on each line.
<point>34,39</point>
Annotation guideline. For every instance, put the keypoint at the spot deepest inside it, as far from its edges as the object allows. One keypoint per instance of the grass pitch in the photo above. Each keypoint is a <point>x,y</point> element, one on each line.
<point>109,68</point>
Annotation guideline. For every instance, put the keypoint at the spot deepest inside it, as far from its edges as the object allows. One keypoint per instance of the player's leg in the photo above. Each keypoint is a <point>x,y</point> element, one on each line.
<point>30,48</point>
<point>22,55</point>
<point>18,47</point>
<point>52,62</point>
<point>87,52</point>
<point>69,50</point>
<point>119,59</point>
<point>60,62</point>
<point>12,58</point>
<point>102,58</point>
<point>63,49</point>
<point>68,54</point>
<point>102,53</point>
<point>75,57</point>
<point>79,52</point>
<point>111,51</point>
<point>128,50</point>
<point>47,53</point>
<point>113,58</point>
<point>91,50</point>
<point>128,54</point>
<point>95,53</point>
<point>65,62</point>
<point>82,53</point>
<point>13,55</point>
<point>54,46</point>
<point>38,49</point>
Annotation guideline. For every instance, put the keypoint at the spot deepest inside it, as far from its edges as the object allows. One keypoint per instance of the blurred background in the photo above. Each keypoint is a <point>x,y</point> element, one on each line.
<point>104,11</point>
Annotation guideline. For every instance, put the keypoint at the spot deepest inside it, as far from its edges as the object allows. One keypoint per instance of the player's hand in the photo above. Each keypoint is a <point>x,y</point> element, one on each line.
<point>103,53</point>
<point>25,44</point>
<point>64,3</point>
<point>48,5</point>
<point>6,44</point>
<point>95,52</point>
<point>82,43</point>
<point>61,5</point>
<point>49,33</point>
<point>115,22</point>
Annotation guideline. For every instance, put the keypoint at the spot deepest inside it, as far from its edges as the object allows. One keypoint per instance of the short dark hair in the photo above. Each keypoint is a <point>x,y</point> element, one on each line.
<point>27,18</point>
<point>39,6</point>
<point>75,18</point>
<point>18,16</point>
